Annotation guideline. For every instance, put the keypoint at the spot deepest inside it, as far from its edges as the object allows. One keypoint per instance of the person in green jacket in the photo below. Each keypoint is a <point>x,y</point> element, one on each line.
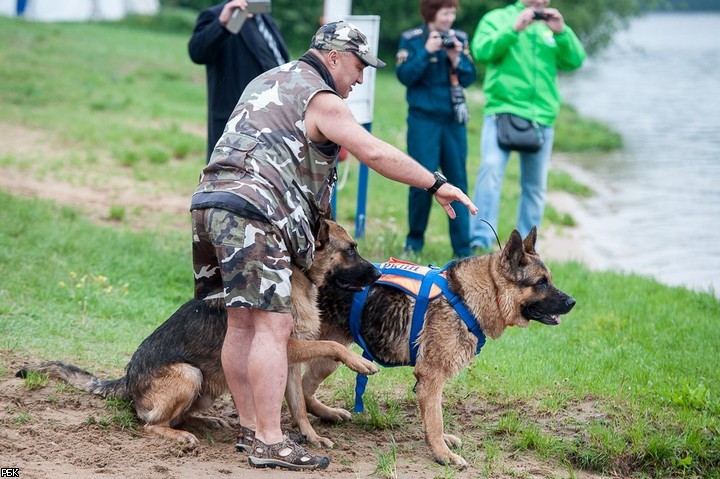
<point>523,46</point>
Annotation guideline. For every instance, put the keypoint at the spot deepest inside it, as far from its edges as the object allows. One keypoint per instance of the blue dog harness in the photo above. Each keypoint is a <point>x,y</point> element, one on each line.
<point>425,284</point>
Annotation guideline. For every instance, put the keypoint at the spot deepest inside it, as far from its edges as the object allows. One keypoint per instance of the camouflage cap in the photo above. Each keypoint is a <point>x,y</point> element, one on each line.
<point>345,37</point>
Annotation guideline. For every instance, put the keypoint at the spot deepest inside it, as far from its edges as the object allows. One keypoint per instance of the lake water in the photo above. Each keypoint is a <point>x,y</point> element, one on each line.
<point>657,208</point>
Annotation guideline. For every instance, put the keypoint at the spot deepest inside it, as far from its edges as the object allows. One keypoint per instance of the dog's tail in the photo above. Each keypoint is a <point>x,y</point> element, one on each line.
<point>81,379</point>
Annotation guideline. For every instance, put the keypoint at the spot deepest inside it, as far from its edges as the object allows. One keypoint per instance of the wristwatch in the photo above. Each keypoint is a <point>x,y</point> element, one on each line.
<point>439,181</point>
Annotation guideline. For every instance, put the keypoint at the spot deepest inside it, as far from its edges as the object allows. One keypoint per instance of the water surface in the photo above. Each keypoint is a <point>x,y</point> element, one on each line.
<point>657,211</point>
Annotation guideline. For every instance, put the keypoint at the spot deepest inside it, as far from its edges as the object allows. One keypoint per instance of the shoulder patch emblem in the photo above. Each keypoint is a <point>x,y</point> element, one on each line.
<point>410,34</point>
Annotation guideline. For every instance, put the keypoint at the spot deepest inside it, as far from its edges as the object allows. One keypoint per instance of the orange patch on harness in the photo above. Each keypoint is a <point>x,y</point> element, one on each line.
<point>410,285</point>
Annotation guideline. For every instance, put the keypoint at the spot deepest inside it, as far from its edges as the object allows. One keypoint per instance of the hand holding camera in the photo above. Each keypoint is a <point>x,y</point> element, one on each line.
<point>553,19</point>
<point>550,16</point>
<point>439,40</point>
<point>448,39</point>
<point>540,15</point>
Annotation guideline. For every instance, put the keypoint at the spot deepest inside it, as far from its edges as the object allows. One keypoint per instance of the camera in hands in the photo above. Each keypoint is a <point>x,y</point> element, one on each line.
<point>540,15</point>
<point>447,40</point>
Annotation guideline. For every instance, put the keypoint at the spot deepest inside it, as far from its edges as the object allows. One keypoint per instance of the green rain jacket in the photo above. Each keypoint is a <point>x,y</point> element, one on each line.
<point>521,75</point>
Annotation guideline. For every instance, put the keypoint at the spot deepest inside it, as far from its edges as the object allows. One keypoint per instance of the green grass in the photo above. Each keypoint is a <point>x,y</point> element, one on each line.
<point>121,414</point>
<point>627,385</point>
<point>109,287</point>
<point>387,462</point>
<point>35,380</point>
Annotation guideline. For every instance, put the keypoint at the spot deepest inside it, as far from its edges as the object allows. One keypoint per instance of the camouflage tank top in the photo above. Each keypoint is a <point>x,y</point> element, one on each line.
<point>265,157</point>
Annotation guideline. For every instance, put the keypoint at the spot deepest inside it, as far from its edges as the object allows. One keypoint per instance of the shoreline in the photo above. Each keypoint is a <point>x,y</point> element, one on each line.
<point>563,243</point>
<point>580,243</point>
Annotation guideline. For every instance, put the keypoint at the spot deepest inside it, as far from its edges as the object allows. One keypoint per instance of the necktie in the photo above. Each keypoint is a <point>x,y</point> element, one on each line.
<point>265,32</point>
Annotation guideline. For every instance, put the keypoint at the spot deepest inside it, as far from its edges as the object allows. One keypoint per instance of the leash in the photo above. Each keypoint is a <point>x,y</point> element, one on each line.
<point>493,230</point>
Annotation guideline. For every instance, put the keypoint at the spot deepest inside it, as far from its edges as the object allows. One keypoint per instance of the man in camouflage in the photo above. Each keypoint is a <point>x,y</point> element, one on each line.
<point>256,208</point>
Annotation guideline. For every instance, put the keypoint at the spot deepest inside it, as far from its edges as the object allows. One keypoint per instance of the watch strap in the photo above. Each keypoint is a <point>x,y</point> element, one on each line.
<point>439,181</point>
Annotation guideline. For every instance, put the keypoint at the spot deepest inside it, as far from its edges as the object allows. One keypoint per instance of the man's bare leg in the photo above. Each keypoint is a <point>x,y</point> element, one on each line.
<point>267,367</point>
<point>235,357</point>
<point>256,368</point>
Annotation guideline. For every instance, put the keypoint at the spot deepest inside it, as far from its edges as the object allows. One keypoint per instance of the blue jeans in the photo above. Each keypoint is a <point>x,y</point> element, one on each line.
<point>488,184</point>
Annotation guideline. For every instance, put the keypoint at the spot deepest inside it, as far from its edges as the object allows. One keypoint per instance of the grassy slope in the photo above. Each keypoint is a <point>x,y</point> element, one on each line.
<point>126,101</point>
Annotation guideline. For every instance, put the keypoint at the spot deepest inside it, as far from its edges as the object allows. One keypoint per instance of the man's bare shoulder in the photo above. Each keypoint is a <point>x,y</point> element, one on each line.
<point>325,99</point>
<point>326,106</point>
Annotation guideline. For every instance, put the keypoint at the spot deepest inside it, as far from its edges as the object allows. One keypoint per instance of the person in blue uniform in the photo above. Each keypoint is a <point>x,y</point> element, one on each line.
<point>434,63</point>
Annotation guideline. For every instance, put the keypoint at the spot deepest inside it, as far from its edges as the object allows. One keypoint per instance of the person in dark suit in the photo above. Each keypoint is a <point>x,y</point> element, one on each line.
<point>232,60</point>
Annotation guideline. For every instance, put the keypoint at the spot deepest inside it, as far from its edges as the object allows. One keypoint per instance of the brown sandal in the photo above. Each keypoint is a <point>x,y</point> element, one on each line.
<point>296,459</point>
<point>245,440</point>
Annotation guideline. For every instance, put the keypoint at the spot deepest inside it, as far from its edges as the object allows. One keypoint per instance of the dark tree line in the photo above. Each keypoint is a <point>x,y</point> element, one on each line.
<point>595,21</point>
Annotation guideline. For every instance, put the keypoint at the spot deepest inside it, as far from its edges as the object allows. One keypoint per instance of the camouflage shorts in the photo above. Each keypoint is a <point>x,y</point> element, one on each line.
<point>243,260</point>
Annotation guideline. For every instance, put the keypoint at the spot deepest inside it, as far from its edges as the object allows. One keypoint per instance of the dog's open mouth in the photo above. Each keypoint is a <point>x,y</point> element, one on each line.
<point>534,313</point>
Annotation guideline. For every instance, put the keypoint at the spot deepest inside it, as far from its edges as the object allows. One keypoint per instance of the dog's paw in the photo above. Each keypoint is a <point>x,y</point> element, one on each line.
<point>452,441</point>
<point>458,461</point>
<point>451,459</point>
<point>320,441</point>
<point>336,414</point>
<point>361,365</point>
<point>186,449</point>
<point>187,440</point>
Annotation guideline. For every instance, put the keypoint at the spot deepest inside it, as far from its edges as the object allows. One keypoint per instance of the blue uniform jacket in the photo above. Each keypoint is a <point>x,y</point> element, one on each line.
<point>427,77</point>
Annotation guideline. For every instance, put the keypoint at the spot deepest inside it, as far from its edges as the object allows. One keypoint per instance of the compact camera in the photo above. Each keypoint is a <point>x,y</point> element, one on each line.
<point>447,39</point>
<point>238,16</point>
<point>540,15</point>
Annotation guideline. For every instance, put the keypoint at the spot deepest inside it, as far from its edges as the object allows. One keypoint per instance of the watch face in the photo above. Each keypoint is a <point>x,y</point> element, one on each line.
<point>440,176</point>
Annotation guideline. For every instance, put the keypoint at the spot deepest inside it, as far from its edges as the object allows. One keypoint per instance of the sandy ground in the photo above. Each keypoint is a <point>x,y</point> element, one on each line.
<point>56,431</point>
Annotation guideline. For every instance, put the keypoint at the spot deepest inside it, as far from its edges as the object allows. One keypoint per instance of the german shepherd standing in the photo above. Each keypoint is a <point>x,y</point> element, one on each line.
<point>506,288</point>
<point>176,372</point>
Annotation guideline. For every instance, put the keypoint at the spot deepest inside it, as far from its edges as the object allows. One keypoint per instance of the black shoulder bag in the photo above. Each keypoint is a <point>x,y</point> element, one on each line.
<point>517,133</point>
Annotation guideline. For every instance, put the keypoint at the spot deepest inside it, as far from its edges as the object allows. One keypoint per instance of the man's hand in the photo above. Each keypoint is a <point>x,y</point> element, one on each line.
<point>554,20</point>
<point>449,193</point>
<point>525,18</point>
<point>228,8</point>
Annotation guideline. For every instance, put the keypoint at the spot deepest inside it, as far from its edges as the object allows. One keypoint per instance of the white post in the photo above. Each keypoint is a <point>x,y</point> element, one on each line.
<point>335,10</point>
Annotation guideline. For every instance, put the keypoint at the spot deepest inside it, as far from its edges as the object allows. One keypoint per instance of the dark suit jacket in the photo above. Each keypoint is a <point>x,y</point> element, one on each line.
<point>231,62</point>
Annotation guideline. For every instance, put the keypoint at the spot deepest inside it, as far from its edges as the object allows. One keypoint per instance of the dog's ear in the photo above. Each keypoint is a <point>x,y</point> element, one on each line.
<point>529,241</point>
<point>323,235</point>
<point>328,213</point>
<point>513,251</point>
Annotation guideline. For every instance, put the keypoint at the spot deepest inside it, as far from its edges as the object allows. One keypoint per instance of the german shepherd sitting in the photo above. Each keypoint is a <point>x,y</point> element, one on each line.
<point>506,288</point>
<point>176,372</point>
